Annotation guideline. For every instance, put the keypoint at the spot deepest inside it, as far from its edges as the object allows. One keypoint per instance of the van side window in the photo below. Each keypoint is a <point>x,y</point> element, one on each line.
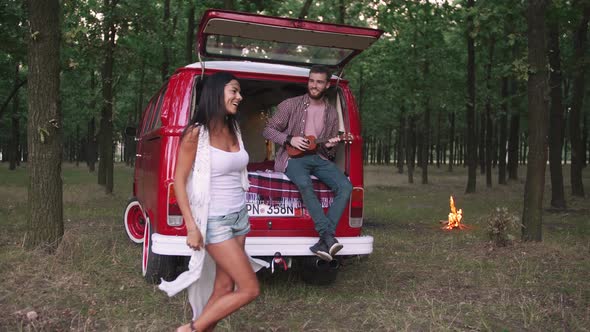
<point>153,120</point>
<point>147,114</point>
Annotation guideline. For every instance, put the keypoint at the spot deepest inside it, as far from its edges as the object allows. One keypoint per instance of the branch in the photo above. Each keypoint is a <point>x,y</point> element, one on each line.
<point>11,95</point>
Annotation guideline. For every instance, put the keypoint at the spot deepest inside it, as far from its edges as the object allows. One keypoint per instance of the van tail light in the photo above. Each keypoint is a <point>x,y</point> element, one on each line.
<point>174,214</point>
<point>356,207</point>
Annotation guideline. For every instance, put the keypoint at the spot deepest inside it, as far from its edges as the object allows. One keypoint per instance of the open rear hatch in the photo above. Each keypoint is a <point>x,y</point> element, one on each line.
<point>252,37</point>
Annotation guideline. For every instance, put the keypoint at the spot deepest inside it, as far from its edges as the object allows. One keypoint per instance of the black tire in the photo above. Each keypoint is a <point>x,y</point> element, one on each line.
<point>318,272</point>
<point>154,266</point>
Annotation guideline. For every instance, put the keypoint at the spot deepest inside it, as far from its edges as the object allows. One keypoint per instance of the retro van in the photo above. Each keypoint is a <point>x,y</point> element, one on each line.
<point>271,57</point>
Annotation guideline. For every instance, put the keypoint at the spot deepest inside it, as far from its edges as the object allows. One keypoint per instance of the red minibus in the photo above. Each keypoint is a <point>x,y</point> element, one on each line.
<point>271,57</point>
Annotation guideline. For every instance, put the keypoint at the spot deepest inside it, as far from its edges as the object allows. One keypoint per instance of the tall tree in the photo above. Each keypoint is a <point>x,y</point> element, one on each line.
<point>503,133</point>
<point>579,83</point>
<point>44,128</point>
<point>304,10</point>
<point>105,165</point>
<point>538,121</point>
<point>471,137</point>
<point>14,154</point>
<point>556,123</point>
<point>190,33</point>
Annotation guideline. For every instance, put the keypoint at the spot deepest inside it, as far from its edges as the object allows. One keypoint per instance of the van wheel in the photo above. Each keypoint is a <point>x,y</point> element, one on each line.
<point>134,220</point>
<point>154,266</point>
<point>319,272</point>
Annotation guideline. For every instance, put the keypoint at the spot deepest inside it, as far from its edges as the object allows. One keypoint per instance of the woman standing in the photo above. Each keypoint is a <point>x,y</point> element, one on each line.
<point>210,185</point>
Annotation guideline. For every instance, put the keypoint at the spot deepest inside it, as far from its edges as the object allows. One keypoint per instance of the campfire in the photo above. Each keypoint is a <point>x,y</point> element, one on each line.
<point>455,217</point>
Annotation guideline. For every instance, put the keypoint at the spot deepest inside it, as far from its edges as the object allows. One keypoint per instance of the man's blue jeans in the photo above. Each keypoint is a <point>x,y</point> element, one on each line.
<point>299,171</point>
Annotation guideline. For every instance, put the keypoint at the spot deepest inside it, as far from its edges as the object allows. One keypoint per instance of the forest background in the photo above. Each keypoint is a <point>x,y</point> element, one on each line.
<point>492,86</point>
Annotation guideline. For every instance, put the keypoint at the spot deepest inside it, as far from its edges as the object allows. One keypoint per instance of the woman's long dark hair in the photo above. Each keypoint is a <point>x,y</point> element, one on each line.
<point>211,106</point>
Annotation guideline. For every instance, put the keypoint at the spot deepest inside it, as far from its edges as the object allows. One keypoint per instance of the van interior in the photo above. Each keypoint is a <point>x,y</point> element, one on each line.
<point>260,99</point>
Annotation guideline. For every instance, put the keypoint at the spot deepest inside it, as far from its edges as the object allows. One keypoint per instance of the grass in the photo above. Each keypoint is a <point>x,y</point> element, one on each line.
<point>419,278</point>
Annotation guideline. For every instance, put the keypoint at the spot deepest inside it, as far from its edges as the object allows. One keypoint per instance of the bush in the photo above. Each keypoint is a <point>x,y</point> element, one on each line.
<point>500,224</point>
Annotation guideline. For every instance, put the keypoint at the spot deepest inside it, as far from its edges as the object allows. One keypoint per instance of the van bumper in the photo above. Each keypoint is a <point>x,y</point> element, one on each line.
<point>267,246</point>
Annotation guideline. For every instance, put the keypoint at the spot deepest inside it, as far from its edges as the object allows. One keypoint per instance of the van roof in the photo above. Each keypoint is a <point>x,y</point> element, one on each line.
<point>254,67</point>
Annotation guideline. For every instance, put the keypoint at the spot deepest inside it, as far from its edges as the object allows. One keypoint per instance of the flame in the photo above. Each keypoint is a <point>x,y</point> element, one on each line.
<point>455,217</point>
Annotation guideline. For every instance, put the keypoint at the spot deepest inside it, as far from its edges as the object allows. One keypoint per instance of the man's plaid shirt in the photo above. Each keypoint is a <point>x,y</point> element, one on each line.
<point>289,119</point>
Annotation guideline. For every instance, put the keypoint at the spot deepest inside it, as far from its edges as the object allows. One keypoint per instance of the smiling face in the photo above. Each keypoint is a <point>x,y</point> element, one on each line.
<point>317,84</point>
<point>232,96</point>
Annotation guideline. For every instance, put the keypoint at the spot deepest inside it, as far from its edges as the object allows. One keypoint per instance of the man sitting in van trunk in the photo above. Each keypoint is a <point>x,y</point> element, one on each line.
<point>295,120</point>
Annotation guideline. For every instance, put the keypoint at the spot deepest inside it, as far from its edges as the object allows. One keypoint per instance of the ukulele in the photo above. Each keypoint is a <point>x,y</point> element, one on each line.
<point>294,152</point>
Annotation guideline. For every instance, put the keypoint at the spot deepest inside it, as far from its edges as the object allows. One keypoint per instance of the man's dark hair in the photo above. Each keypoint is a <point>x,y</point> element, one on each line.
<point>321,69</point>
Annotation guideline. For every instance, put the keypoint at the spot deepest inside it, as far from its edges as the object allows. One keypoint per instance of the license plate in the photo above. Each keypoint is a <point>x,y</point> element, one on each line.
<point>265,210</point>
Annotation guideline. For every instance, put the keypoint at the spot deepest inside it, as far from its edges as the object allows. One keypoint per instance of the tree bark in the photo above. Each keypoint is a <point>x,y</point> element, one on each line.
<point>106,122</point>
<point>471,138</point>
<point>401,141</point>
<point>44,127</point>
<point>503,128</point>
<point>341,12</point>
<point>556,123</point>
<point>578,91</point>
<point>305,9</point>
<point>166,44</point>
<point>532,216</point>
<point>190,33</point>
<point>513,138</point>
<point>452,147</point>
<point>411,148</point>
<point>11,95</point>
<point>488,117</point>
<point>13,154</point>
<point>426,128</point>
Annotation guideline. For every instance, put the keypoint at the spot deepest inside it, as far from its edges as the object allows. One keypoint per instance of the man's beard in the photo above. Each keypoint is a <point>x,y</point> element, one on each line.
<point>320,96</point>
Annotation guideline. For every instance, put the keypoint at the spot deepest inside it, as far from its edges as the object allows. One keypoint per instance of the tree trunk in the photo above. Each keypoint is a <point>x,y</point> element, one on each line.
<point>44,127</point>
<point>341,12</point>
<point>13,154</point>
<point>166,44</point>
<point>488,117</point>
<point>503,128</point>
<point>106,128</point>
<point>401,141</point>
<point>452,147</point>
<point>513,138</point>
<point>411,148</point>
<point>471,138</point>
<point>426,128</point>
<point>578,90</point>
<point>305,9</point>
<point>439,151</point>
<point>190,33</point>
<point>556,123</point>
<point>585,146</point>
<point>481,142</point>
<point>532,216</point>
<point>77,145</point>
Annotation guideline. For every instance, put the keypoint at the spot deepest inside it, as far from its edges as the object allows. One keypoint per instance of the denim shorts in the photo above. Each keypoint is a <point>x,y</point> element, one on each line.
<point>223,228</point>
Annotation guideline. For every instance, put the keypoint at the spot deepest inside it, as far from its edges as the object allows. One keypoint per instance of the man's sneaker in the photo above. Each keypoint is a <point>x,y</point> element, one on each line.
<point>320,250</point>
<point>333,245</point>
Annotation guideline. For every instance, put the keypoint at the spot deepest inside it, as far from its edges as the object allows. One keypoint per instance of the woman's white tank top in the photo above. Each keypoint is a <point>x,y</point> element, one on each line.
<point>227,193</point>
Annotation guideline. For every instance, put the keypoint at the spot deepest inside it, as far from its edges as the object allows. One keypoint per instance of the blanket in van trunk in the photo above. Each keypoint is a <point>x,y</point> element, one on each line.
<point>275,188</point>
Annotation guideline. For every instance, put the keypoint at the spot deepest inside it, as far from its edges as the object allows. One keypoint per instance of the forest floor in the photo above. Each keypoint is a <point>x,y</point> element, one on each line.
<point>419,277</point>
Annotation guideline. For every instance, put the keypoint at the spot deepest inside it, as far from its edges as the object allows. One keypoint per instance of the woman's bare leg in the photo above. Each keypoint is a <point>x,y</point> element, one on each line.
<point>223,284</point>
<point>230,257</point>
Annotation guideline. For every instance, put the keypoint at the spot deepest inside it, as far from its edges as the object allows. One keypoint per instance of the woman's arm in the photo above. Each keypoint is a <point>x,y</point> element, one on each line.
<point>184,163</point>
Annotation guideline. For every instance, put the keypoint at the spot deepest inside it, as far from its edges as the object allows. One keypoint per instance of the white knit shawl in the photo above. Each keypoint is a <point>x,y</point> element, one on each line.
<point>200,277</point>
